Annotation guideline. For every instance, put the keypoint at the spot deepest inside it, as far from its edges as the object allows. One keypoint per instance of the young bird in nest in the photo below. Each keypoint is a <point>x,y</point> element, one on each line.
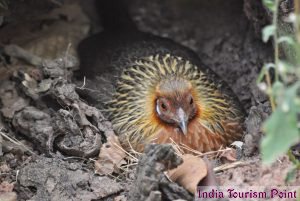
<point>155,90</point>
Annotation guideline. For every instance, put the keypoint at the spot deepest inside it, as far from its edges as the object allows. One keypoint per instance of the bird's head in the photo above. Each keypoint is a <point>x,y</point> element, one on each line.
<point>175,103</point>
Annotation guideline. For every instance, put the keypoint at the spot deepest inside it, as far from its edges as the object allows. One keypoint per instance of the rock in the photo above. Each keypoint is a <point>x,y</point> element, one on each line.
<point>9,196</point>
<point>151,183</point>
<point>55,179</point>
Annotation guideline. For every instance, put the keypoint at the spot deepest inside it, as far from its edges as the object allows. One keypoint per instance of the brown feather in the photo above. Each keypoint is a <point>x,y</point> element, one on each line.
<point>219,118</point>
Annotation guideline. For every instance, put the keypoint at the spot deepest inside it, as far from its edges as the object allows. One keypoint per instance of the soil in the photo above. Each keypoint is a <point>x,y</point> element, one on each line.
<point>55,160</point>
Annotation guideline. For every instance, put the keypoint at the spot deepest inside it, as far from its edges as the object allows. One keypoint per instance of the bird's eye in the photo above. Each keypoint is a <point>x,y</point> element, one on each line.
<point>163,106</point>
<point>191,101</point>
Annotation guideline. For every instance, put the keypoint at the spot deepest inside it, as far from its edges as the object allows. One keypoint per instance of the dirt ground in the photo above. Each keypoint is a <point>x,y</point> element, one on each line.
<point>218,31</point>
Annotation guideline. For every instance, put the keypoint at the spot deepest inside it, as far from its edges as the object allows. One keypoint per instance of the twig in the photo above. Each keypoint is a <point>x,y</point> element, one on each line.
<point>276,45</point>
<point>132,149</point>
<point>269,83</point>
<point>177,148</point>
<point>126,152</point>
<point>16,142</point>
<point>83,85</point>
<point>20,53</point>
<point>200,154</point>
<point>233,165</point>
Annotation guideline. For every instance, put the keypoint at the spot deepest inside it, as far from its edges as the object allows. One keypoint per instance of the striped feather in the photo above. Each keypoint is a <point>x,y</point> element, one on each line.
<point>132,112</point>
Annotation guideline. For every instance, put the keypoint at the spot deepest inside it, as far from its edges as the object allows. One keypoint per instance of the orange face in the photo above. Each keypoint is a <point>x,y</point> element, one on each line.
<point>175,104</point>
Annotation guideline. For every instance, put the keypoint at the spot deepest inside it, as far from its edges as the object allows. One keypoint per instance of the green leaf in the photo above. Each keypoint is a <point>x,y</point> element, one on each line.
<point>290,97</point>
<point>261,75</point>
<point>270,4</point>
<point>278,90</point>
<point>285,67</point>
<point>286,39</point>
<point>267,32</point>
<point>282,132</point>
<point>281,128</point>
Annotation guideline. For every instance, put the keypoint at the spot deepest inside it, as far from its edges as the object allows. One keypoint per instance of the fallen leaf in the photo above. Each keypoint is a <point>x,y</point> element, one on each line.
<point>111,157</point>
<point>29,82</point>
<point>120,198</point>
<point>229,155</point>
<point>189,173</point>
<point>237,144</point>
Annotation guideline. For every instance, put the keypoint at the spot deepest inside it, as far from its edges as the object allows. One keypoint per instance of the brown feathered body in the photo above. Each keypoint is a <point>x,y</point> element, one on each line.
<point>218,121</point>
<point>130,70</point>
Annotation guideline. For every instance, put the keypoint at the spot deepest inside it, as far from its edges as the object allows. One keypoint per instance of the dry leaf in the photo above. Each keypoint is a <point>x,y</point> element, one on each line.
<point>29,82</point>
<point>120,198</point>
<point>189,173</point>
<point>237,144</point>
<point>229,155</point>
<point>111,157</point>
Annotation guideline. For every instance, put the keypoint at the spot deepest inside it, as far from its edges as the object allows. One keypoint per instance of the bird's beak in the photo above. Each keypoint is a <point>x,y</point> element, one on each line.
<point>182,121</point>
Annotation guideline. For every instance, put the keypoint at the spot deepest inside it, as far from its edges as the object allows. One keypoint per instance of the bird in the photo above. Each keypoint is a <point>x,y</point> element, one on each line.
<point>154,90</point>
